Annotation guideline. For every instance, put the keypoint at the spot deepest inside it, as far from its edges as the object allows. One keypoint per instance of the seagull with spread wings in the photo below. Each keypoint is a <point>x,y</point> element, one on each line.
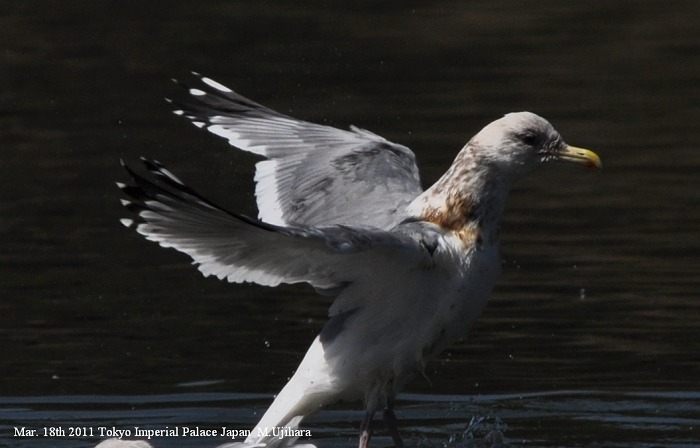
<point>344,211</point>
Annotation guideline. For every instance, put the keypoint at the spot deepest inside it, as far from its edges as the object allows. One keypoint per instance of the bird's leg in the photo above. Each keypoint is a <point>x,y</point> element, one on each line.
<point>391,423</point>
<point>366,428</point>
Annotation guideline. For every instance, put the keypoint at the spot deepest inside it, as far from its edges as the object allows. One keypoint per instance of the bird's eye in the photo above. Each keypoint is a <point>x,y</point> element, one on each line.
<point>529,138</point>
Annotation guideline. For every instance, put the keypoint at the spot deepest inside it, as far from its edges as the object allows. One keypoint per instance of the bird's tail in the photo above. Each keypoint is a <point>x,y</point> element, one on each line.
<point>310,389</point>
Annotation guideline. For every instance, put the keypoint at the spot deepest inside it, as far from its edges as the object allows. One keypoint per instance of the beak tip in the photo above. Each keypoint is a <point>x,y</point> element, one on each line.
<point>582,156</point>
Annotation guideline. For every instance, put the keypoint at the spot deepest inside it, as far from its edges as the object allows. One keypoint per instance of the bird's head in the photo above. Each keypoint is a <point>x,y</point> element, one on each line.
<point>475,187</point>
<point>520,141</point>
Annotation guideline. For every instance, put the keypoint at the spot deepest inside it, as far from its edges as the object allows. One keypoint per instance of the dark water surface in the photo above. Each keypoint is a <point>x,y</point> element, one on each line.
<point>592,336</point>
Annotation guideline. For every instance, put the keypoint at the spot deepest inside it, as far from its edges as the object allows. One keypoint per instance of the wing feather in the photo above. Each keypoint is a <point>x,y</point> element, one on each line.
<point>241,249</point>
<point>315,175</point>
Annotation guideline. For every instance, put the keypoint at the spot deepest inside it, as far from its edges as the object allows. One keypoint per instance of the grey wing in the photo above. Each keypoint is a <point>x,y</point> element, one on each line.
<point>314,175</point>
<point>242,249</point>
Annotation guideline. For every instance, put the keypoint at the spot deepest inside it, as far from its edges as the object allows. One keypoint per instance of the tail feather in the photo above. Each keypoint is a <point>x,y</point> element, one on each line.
<point>310,389</point>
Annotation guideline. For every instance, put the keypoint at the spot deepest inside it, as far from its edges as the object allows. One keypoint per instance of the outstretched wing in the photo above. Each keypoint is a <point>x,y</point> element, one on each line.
<point>242,249</point>
<point>315,175</point>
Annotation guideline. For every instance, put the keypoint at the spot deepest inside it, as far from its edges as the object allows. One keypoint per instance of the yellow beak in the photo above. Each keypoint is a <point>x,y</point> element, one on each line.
<point>581,156</point>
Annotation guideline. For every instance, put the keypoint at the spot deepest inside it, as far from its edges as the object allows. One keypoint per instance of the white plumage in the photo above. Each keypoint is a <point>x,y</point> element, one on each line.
<point>410,270</point>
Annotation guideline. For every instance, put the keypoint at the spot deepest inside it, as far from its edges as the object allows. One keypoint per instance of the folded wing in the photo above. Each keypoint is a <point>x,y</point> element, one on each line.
<point>241,249</point>
<point>314,175</point>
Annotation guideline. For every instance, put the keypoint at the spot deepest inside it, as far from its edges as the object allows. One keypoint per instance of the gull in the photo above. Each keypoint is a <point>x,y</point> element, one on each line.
<point>410,270</point>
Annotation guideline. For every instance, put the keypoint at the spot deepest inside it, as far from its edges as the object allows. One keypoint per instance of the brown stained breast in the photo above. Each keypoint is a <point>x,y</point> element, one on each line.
<point>459,212</point>
<point>457,216</point>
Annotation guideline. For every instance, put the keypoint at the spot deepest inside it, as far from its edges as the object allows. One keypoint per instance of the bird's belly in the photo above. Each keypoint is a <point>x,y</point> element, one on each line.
<point>406,319</point>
